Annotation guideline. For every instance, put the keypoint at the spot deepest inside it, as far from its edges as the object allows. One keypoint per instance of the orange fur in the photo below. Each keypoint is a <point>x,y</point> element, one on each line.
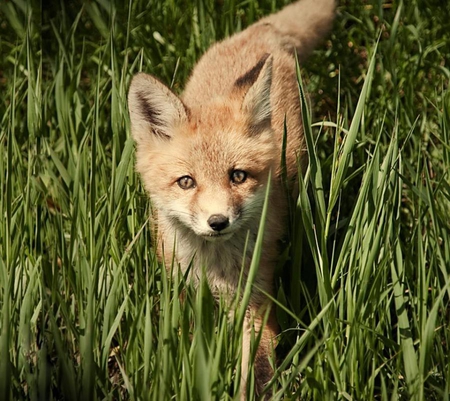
<point>205,157</point>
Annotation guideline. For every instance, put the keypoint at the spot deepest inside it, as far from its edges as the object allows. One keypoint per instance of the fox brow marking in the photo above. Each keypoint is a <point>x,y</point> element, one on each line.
<point>250,76</point>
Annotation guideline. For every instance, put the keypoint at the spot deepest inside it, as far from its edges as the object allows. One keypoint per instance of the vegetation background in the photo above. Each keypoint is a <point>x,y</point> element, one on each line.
<point>86,312</point>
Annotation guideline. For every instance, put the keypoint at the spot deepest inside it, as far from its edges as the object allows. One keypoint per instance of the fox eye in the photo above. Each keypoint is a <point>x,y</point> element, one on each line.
<point>238,176</point>
<point>186,182</point>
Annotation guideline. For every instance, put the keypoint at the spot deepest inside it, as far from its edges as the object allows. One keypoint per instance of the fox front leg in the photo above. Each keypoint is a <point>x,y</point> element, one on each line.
<point>263,372</point>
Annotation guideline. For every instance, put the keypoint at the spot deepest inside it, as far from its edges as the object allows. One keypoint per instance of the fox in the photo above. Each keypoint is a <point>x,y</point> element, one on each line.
<point>206,157</point>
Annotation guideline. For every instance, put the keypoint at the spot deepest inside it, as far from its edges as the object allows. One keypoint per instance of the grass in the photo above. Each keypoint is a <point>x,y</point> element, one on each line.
<point>86,311</point>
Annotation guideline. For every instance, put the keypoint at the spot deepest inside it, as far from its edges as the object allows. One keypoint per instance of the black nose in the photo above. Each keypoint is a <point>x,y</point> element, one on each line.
<point>218,222</point>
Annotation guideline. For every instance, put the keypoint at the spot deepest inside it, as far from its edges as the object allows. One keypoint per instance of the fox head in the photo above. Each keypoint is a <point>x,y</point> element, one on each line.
<point>206,166</point>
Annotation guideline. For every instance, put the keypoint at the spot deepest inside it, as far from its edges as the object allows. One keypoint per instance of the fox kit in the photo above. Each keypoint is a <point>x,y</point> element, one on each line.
<point>206,157</point>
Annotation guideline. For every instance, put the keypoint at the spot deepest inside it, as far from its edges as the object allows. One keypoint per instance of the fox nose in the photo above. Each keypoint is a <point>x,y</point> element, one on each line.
<point>218,222</point>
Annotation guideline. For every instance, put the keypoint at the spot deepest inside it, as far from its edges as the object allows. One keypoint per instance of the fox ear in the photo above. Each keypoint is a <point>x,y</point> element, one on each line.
<point>154,108</point>
<point>256,102</point>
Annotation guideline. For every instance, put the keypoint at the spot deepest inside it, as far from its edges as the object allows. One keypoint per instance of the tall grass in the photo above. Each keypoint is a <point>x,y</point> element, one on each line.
<point>86,310</point>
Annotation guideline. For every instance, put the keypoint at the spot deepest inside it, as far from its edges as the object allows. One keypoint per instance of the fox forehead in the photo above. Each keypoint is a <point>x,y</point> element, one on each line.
<point>220,149</point>
<point>217,113</point>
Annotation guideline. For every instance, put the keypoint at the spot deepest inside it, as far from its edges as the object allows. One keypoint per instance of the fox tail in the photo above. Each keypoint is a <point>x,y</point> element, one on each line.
<point>303,24</point>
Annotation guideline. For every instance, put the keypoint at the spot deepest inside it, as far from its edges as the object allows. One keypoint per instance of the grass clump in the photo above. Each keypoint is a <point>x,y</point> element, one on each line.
<point>87,312</point>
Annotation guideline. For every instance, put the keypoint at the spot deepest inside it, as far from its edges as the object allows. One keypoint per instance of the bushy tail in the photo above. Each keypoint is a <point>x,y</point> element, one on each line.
<point>303,24</point>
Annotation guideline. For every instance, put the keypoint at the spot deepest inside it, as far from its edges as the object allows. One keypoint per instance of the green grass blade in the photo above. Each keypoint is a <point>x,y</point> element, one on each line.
<point>350,139</point>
